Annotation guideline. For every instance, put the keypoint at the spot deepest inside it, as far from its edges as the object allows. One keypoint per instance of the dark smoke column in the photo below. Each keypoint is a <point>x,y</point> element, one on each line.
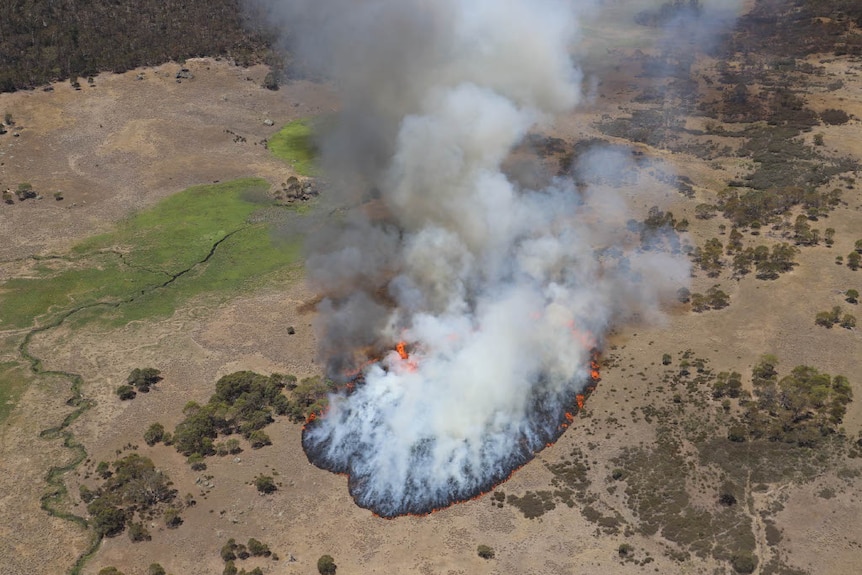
<point>496,290</point>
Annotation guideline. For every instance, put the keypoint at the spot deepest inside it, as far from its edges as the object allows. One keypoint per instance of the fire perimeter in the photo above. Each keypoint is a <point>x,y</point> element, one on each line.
<point>546,420</point>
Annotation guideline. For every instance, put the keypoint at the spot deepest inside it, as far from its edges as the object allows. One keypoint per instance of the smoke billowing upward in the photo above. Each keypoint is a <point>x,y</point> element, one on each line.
<point>500,293</point>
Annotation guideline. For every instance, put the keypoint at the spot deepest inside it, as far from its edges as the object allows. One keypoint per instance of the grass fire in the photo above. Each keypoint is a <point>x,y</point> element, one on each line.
<point>480,299</point>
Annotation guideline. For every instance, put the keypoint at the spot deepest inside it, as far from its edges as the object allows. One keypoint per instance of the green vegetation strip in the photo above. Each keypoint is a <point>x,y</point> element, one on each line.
<point>294,144</point>
<point>152,250</point>
<point>202,236</point>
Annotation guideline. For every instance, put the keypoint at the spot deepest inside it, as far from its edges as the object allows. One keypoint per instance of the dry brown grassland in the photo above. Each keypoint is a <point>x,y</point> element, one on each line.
<point>644,466</point>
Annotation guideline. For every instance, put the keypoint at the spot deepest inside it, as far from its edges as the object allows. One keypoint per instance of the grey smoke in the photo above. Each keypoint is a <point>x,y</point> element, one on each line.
<point>499,291</point>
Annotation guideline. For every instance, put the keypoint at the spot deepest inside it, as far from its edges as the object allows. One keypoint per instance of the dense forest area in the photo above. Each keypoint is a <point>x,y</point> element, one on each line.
<point>797,28</point>
<point>45,40</point>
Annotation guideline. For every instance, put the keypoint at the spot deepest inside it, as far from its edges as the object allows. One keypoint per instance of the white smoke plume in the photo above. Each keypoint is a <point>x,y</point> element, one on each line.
<point>500,293</point>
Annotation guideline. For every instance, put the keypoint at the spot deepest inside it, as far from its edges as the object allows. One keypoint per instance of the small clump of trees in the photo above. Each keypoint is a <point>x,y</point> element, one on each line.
<point>835,316</point>
<point>132,486</point>
<point>140,380</point>
<point>231,552</point>
<point>244,403</point>
<point>714,298</point>
<point>803,407</point>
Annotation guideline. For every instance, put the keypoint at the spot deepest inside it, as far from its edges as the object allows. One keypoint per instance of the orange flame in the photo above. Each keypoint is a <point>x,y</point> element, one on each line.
<point>580,399</point>
<point>401,348</point>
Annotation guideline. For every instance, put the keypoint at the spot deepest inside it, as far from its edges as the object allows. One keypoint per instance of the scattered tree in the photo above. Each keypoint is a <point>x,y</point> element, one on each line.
<point>107,519</point>
<point>125,392</point>
<point>155,569</point>
<point>154,434</point>
<point>625,550</point>
<point>144,378</point>
<point>851,296</point>
<point>138,532</point>
<point>172,518</point>
<point>853,260</point>
<point>258,549</point>
<point>265,484</point>
<point>25,191</point>
<point>485,552</point>
<point>326,565</point>
<point>744,562</point>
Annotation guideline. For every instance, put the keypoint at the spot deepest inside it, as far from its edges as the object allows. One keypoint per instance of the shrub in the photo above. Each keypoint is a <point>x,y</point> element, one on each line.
<point>485,552</point>
<point>737,434</point>
<point>230,568</point>
<point>172,518</point>
<point>744,562</point>
<point>108,520</point>
<point>265,484</point>
<point>665,359</point>
<point>258,549</point>
<point>848,321</point>
<point>155,569</point>
<point>103,470</point>
<point>834,117</point>
<point>196,460</point>
<point>258,439</point>
<point>154,434</point>
<point>851,296</point>
<point>625,550</point>
<point>110,571</point>
<point>853,260</point>
<point>233,446</point>
<point>144,378</point>
<point>727,499</point>
<point>25,191</point>
<point>326,565</point>
<point>270,82</point>
<point>125,392</point>
<point>228,550</point>
<point>137,533</point>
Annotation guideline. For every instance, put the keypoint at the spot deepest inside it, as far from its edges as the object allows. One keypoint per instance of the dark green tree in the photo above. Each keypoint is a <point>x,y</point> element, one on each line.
<point>154,434</point>
<point>265,484</point>
<point>326,565</point>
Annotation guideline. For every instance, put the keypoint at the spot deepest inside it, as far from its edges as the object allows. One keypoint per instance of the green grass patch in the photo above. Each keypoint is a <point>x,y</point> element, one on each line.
<point>157,259</point>
<point>294,144</point>
<point>13,382</point>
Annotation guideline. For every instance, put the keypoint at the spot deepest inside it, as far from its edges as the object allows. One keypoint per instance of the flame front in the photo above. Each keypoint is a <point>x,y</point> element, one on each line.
<point>401,348</point>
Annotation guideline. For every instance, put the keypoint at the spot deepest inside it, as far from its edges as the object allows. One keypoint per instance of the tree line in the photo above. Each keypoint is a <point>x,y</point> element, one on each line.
<point>43,41</point>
